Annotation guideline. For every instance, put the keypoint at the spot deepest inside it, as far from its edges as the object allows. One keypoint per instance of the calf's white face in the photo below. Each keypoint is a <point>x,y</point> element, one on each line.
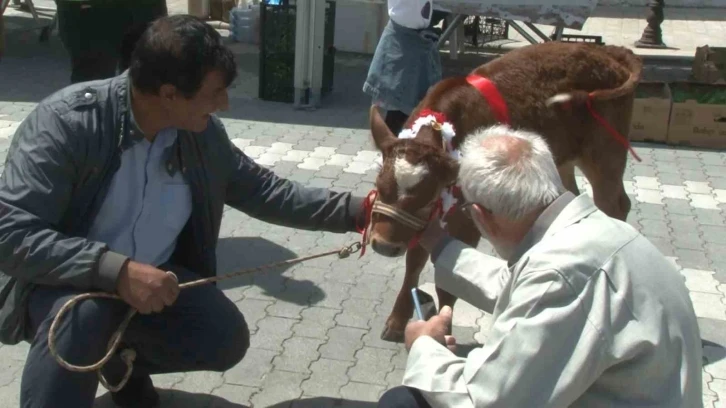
<point>408,175</point>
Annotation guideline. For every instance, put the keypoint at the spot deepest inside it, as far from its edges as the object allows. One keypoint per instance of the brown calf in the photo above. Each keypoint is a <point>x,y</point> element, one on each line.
<point>547,88</point>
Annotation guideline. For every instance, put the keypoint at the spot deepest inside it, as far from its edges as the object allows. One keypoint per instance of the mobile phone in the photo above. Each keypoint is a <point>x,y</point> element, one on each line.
<point>417,303</point>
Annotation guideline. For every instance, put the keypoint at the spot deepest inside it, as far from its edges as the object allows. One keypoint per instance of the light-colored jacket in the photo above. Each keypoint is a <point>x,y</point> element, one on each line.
<point>588,313</point>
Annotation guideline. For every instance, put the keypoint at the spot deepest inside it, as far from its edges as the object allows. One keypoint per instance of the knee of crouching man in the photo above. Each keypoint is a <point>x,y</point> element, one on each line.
<point>233,345</point>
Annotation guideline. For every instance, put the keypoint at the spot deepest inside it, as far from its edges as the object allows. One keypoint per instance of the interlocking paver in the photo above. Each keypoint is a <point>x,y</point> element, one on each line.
<point>252,369</point>
<point>372,365</point>
<point>356,312</point>
<point>298,354</point>
<point>342,343</point>
<point>272,331</point>
<point>362,391</point>
<point>279,387</point>
<point>228,392</point>
<point>328,377</point>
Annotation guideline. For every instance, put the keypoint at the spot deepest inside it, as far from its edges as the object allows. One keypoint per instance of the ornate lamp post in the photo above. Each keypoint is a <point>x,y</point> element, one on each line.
<point>653,35</point>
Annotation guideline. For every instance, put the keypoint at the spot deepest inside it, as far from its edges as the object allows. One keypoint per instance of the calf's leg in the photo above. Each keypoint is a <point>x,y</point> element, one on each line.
<point>403,307</point>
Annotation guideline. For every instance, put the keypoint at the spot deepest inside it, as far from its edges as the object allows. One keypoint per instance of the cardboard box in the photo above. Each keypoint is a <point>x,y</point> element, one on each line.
<point>651,112</point>
<point>709,65</point>
<point>698,115</point>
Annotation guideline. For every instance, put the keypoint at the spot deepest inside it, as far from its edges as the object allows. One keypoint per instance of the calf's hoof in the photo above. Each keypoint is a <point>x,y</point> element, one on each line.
<point>392,335</point>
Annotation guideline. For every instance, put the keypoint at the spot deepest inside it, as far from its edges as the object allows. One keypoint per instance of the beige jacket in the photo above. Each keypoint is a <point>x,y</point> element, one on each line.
<point>587,314</point>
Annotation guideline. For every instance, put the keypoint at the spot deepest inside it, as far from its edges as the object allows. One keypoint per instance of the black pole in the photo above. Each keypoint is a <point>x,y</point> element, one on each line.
<point>653,35</point>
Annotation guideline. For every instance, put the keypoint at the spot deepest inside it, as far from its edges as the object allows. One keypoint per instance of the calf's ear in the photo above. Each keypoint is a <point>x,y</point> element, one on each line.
<point>382,135</point>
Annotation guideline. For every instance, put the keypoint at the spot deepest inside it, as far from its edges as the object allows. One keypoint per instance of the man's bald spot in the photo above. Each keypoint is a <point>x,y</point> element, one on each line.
<point>514,148</point>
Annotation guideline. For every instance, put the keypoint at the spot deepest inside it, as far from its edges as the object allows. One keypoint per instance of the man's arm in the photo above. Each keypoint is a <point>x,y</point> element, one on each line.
<point>472,276</point>
<point>542,352</point>
<point>35,189</point>
<point>260,193</point>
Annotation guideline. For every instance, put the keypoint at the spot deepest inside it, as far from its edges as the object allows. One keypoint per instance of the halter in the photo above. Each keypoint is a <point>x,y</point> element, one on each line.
<point>445,204</point>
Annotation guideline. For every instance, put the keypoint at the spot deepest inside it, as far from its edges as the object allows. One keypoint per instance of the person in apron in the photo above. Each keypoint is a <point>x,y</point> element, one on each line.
<point>406,61</point>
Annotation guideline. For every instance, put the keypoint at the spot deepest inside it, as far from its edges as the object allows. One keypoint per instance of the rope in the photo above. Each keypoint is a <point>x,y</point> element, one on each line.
<point>129,355</point>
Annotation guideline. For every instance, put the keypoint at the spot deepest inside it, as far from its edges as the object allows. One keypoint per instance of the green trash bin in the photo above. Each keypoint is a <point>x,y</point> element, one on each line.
<point>277,50</point>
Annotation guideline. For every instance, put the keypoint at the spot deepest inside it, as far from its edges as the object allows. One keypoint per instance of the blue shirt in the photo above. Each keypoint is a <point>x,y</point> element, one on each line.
<point>146,206</point>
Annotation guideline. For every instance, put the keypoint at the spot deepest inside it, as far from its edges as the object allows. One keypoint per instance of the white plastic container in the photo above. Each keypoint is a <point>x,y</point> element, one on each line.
<point>244,23</point>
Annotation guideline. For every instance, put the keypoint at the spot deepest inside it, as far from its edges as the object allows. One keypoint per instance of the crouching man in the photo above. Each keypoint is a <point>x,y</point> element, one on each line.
<point>587,312</point>
<point>108,186</point>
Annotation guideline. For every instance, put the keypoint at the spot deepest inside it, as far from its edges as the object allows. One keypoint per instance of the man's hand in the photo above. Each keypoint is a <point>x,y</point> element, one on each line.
<point>436,327</point>
<point>146,288</point>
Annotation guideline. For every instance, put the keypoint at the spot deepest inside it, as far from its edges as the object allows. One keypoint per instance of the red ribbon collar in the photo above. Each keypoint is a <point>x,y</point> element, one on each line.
<point>490,92</point>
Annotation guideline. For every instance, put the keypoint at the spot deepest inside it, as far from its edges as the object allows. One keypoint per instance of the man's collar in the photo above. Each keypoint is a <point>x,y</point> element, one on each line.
<point>542,225</point>
<point>135,132</point>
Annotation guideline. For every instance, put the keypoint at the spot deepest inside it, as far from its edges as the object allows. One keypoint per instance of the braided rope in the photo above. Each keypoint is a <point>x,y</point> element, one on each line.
<point>129,355</point>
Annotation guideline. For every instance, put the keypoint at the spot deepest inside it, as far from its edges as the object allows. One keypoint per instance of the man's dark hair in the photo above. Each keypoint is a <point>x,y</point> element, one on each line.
<point>179,50</point>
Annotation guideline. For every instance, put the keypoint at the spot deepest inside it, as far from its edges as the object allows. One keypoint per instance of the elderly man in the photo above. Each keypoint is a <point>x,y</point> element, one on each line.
<point>112,184</point>
<point>587,312</point>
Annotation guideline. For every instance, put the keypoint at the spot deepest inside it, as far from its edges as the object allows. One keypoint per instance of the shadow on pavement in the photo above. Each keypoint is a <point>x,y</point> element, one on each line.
<point>239,253</point>
<point>324,402</point>
<point>178,399</point>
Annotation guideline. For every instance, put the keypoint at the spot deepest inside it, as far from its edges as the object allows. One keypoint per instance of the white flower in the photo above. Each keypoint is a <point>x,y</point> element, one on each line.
<point>406,134</point>
<point>447,201</point>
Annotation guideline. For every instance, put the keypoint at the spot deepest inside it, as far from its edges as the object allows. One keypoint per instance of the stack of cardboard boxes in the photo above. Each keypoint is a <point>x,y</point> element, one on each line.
<point>686,113</point>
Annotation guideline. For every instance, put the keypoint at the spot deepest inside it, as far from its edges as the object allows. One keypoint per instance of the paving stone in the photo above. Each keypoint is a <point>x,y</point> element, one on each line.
<point>342,343</point>
<point>687,240</point>
<point>654,228</point>
<point>252,369</point>
<point>272,331</point>
<point>395,378</point>
<point>298,354</point>
<point>720,195</point>
<point>714,234</point>
<point>371,365</point>
<point>320,183</point>
<point>677,206</point>
<point>715,252</point>
<point>649,196</point>
<point>334,294</point>
<point>302,175</point>
<point>689,258</point>
<point>704,201</point>
<point>690,163</point>
<point>279,386</point>
<point>672,179</point>
<point>694,175</point>
<point>708,305</point>
<point>698,187</point>
<point>678,192</point>
<point>717,182</point>
<point>369,286</point>
<point>643,171</point>
<point>285,309</point>
<point>200,382</point>
<point>307,145</point>
<point>362,392</point>
<point>709,217</point>
<point>714,171</point>
<point>254,151</point>
<point>328,377</point>
<point>228,392</point>
<point>339,160</point>
<point>316,322</point>
<point>650,211</point>
<point>713,330</point>
<point>356,312</point>
<point>700,281</point>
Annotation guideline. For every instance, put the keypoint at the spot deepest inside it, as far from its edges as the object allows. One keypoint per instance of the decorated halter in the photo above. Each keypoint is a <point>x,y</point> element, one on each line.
<point>445,204</point>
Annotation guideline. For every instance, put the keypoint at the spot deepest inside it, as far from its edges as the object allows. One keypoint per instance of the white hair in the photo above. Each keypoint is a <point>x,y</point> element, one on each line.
<point>509,182</point>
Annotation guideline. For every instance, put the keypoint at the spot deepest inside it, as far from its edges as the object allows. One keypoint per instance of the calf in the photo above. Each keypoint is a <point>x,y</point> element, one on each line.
<point>577,96</point>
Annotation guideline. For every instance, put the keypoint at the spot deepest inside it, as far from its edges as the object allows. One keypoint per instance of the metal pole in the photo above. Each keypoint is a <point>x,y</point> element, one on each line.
<point>450,29</point>
<point>653,35</point>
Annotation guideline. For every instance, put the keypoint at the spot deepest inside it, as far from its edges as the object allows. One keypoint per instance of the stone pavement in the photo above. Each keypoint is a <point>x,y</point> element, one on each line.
<point>315,326</point>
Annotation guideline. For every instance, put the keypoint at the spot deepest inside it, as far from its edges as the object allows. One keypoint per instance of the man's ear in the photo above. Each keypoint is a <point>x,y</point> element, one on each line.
<point>486,219</point>
<point>167,92</point>
<point>382,135</point>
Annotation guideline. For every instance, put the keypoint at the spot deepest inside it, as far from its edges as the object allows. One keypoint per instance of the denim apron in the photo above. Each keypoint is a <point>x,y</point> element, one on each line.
<point>406,63</point>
